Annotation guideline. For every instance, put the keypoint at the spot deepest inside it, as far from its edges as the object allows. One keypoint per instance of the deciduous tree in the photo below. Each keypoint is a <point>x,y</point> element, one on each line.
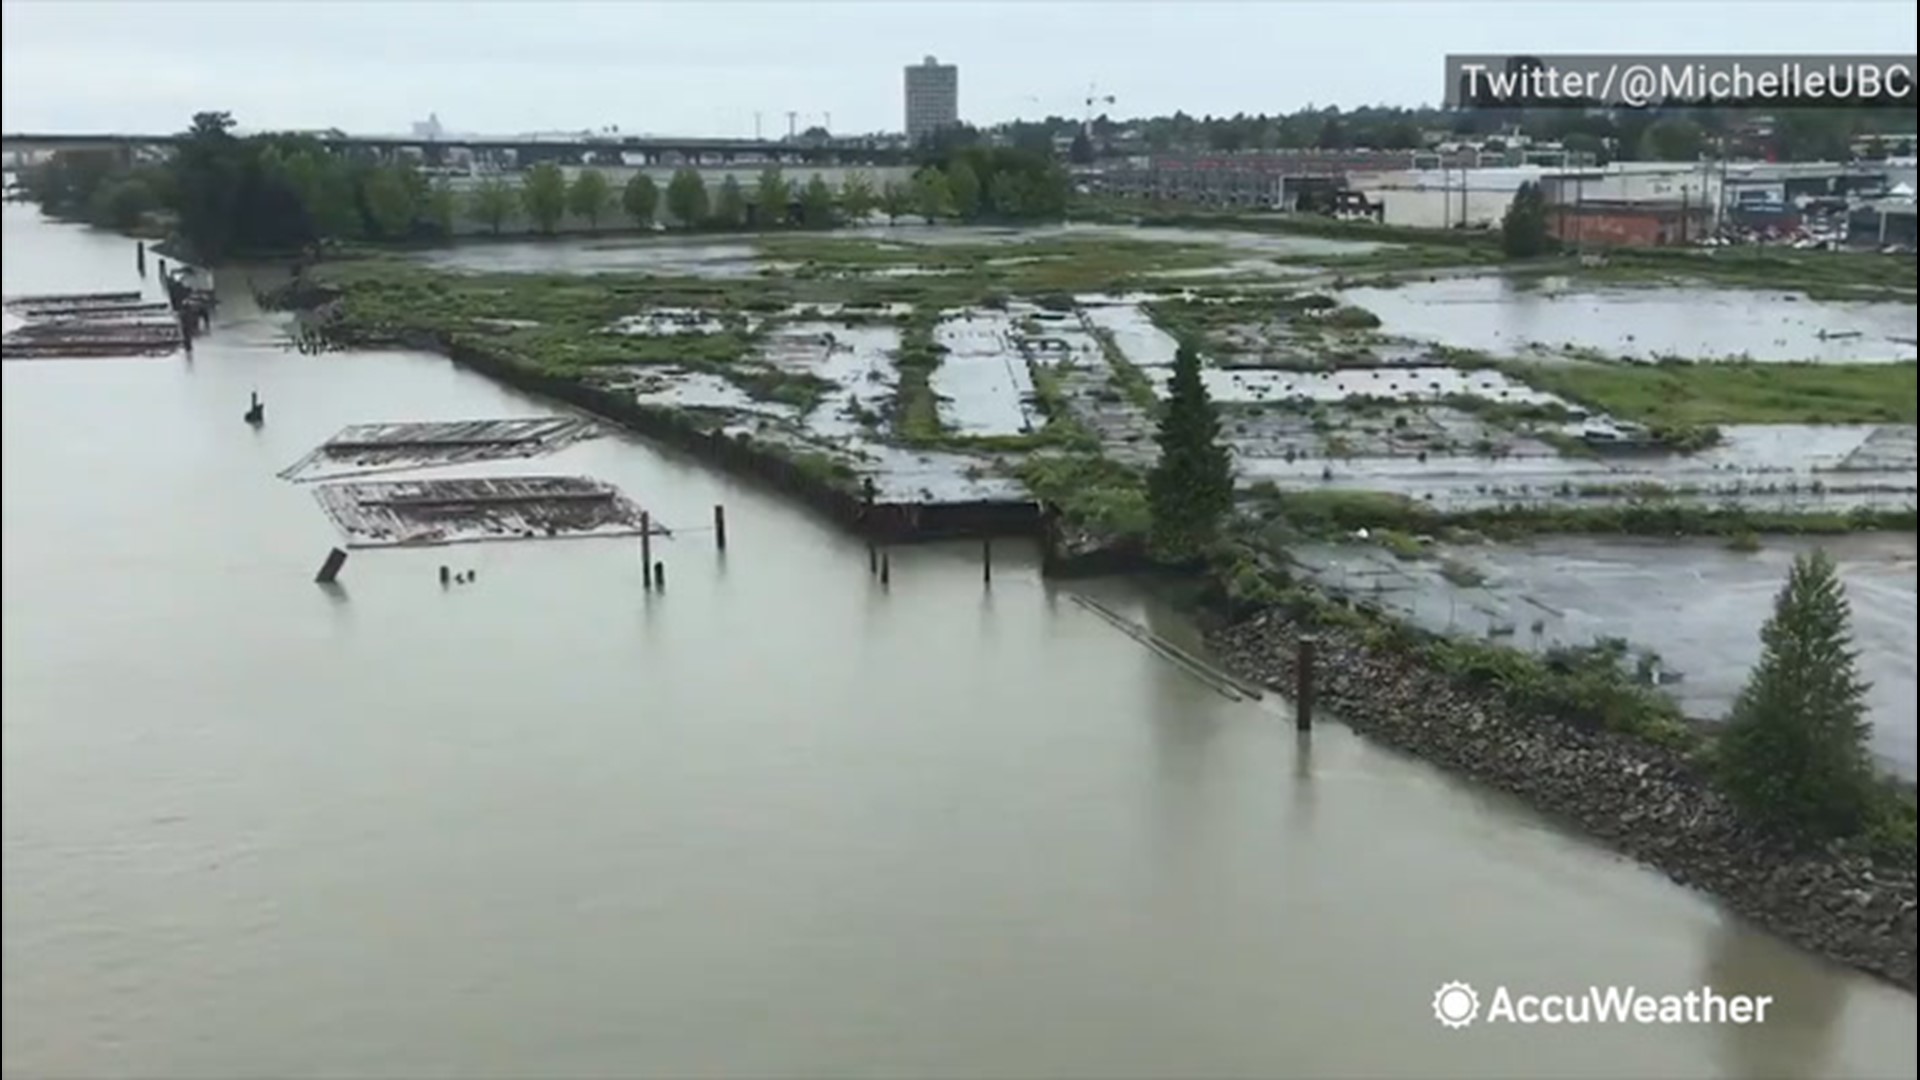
<point>730,206</point>
<point>964,184</point>
<point>857,197</point>
<point>816,203</point>
<point>771,197</point>
<point>590,196</point>
<point>896,201</point>
<point>640,199</point>
<point>491,203</point>
<point>932,198</point>
<point>687,197</point>
<point>389,205</point>
<point>543,195</point>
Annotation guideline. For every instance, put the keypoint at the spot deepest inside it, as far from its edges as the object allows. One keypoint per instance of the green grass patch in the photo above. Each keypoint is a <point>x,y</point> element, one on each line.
<point>1822,275</point>
<point>1132,383</point>
<point>1092,490</point>
<point>916,410</point>
<point>1679,396</point>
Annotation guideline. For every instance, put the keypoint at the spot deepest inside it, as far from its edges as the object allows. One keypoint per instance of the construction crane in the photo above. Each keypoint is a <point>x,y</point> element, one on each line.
<point>1094,97</point>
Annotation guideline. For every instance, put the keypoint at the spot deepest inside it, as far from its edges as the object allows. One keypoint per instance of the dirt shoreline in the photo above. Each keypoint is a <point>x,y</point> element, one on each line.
<point>1638,798</point>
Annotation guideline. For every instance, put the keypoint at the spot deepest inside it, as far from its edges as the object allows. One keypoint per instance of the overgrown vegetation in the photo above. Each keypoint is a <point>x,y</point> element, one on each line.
<point>916,410</point>
<point>1339,513</point>
<point>1683,396</point>
<point>1091,491</point>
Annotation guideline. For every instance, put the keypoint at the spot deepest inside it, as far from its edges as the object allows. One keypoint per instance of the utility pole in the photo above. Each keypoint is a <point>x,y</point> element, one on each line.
<point>756,127</point>
<point>793,121</point>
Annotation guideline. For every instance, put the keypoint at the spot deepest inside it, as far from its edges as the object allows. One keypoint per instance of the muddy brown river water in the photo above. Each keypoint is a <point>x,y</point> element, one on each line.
<point>774,822</point>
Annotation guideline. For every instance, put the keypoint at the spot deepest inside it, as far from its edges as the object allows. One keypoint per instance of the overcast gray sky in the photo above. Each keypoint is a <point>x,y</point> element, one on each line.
<point>706,66</point>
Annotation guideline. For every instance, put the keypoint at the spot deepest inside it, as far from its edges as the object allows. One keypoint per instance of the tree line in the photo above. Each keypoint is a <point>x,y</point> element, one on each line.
<point>1652,134</point>
<point>275,193</point>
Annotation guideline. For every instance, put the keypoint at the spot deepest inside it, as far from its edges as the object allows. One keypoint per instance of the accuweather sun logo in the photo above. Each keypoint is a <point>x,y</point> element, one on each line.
<point>1457,1005</point>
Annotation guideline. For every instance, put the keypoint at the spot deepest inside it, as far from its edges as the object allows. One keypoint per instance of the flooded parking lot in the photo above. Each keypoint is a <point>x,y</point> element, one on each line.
<point>1522,318</point>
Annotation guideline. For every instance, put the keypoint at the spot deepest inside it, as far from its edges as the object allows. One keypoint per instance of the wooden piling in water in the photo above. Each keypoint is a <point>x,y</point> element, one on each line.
<point>140,256</point>
<point>886,570</point>
<point>1303,683</point>
<point>660,576</point>
<point>720,526</point>
<point>646,550</point>
<point>330,569</point>
<point>873,558</point>
<point>986,561</point>
<point>446,576</point>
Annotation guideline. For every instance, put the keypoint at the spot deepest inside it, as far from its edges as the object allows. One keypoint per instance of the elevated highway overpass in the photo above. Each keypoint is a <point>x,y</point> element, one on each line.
<point>525,149</point>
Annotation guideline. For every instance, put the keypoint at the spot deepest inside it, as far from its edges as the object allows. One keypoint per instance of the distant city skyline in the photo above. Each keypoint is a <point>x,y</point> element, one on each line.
<point>501,67</point>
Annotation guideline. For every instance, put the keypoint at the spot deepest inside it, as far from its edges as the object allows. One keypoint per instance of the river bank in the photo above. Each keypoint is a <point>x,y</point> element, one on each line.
<point>1647,801</point>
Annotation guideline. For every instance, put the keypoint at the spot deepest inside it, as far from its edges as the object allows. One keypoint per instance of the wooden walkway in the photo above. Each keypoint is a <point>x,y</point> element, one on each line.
<point>430,512</point>
<point>90,325</point>
<point>371,448</point>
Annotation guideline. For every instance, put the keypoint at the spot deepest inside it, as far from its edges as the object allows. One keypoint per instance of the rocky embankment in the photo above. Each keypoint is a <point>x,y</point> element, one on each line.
<point>1641,799</point>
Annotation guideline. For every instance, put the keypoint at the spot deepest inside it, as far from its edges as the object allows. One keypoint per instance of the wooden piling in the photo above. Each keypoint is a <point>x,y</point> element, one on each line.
<point>446,576</point>
<point>986,561</point>
<point>886,570</point>
<point>140,256</point>
<point>646,549</point>
<point>330,569</point>
<point>873,558</point>
<point>720,526</point>
<point>660,576</point>
<point>1303,683</point>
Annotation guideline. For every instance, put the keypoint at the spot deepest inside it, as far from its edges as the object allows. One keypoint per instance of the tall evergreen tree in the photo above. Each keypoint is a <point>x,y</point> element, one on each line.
<point>1794,752</point>
<point>1191,487</point>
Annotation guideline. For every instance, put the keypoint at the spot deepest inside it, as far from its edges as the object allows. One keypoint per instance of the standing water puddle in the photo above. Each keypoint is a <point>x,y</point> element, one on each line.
<point>1503,317</point>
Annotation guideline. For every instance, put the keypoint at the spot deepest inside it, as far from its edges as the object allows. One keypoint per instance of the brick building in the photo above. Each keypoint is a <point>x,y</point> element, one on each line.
<point>1637,223</point>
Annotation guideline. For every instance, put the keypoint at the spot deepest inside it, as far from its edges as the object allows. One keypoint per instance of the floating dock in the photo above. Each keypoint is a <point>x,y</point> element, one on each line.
<point>90,326</point>
<point>368,448</point>
<point>430,512</point>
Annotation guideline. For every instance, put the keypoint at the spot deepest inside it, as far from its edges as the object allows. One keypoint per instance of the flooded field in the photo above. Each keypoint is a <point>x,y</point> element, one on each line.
<point>1695,604</point>
<point>666,255</point>
<point>982,381</point>
<point>1525,318</point>
<point>1457,461</point>
<point>1242,254</point>
<point>776,820</point>
<point>1234,242</point>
